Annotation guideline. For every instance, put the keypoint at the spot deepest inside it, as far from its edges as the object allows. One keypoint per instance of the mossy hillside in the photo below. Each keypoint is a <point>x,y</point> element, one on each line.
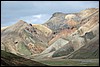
<point>9,59</point>
<point>22,48</point>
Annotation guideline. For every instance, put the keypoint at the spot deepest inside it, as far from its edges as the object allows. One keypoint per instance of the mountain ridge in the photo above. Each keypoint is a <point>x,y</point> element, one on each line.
<point>64,36</point>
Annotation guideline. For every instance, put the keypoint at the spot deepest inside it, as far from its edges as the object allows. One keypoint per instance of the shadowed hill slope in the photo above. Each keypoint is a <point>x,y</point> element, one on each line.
<point>9,59</point>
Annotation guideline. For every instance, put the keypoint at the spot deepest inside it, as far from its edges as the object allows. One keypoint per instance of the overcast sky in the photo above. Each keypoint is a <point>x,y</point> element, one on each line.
<point>38,12</point>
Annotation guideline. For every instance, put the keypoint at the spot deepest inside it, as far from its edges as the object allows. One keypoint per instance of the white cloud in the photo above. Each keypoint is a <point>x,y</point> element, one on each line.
<point>39,11</point>
<point>37,16</point>
<point>36,19</point>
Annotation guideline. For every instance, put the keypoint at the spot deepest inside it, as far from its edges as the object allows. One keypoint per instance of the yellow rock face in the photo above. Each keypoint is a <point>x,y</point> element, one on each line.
<point>72,23</point>
<point>43,29</point>
<point>3,28</point>
<point>70,16</point>
<point>87,12</point>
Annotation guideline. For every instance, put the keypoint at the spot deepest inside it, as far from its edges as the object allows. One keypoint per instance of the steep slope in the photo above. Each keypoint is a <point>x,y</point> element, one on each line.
<point>43,28</point>
<point>89,51</point>
<point>91,32</point>
<point>3,28</point>
<point>85,13</point>
<point>86,33</point>
<point>70,23</point>
<point>23,39</point>
<point>59,20</point>
<point>90,39</point>
<point>9,59</point>
<point>51,49</point>
<point>45,32</point>
<point>55,21</point>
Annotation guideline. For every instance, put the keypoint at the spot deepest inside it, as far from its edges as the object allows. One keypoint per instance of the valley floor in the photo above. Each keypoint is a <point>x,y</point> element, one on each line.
<point>70,62</point>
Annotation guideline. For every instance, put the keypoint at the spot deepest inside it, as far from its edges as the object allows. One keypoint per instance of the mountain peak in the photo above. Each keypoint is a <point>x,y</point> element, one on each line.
<point>58,14</point>
<point>21,21</point>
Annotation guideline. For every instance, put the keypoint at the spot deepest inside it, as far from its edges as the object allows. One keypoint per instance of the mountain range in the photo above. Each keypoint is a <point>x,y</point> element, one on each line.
<point>63,36</point>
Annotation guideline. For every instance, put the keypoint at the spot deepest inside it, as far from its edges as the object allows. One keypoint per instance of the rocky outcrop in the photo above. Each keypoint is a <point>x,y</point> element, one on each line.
<point>46,31</point>
<point>55,21</point>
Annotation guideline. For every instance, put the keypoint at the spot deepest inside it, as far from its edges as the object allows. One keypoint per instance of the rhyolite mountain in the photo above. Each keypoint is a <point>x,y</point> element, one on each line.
<point>70,40</point>
<point>64,35</point>
<point>24,39</point>
<point>59,20</point>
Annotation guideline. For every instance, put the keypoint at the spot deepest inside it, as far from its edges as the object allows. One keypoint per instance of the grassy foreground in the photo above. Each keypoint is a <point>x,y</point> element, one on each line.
<point>71,62</point>
<point>9,59</point>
